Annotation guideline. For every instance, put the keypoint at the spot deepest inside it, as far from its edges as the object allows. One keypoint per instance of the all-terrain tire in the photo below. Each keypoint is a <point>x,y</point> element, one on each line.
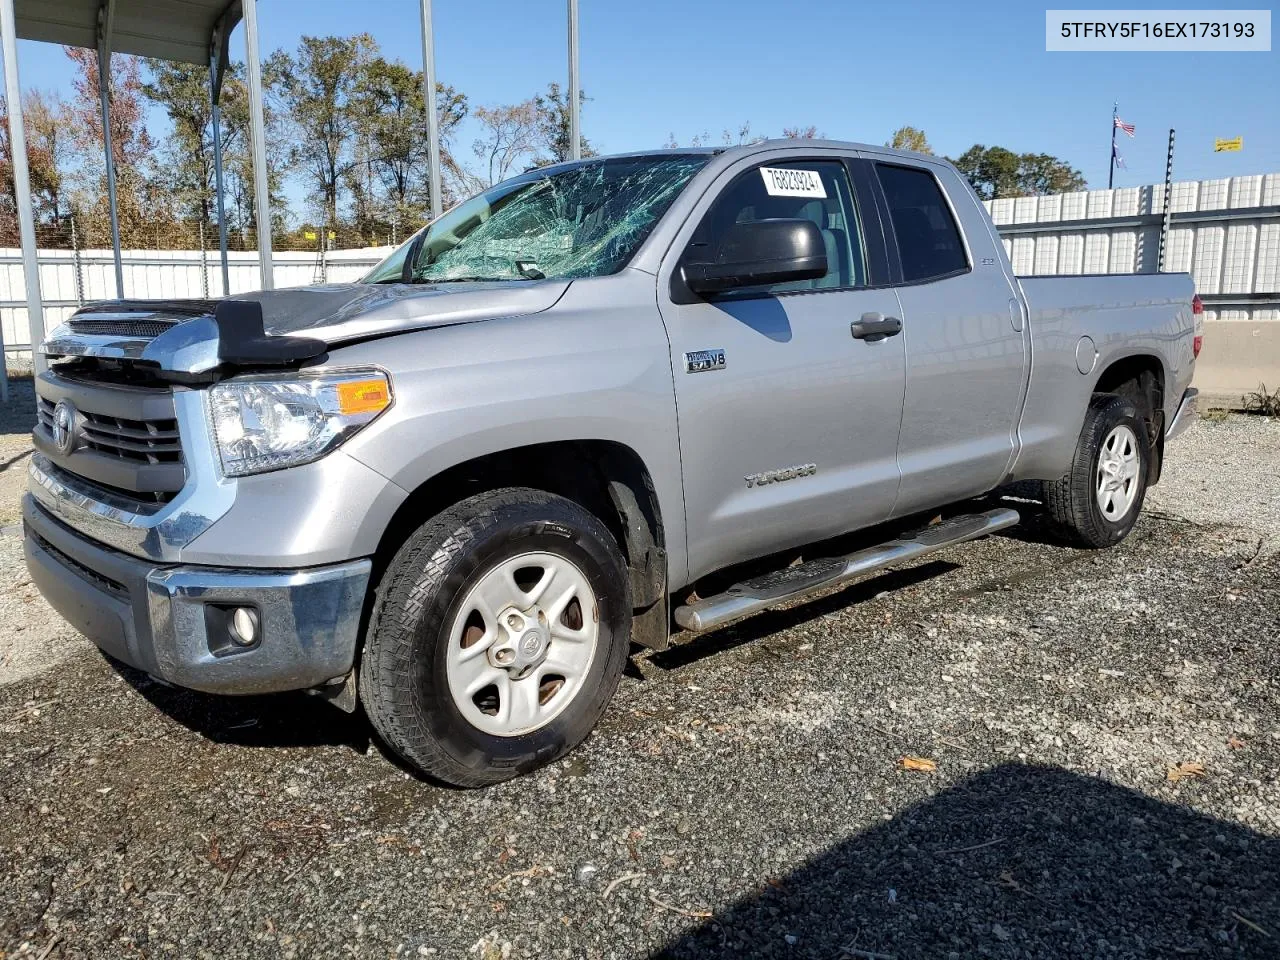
<point>403,682</point>
<point>1072,501</point>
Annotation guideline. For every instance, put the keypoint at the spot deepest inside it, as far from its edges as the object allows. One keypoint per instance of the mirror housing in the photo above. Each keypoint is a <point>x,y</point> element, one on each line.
<point>761,251</point>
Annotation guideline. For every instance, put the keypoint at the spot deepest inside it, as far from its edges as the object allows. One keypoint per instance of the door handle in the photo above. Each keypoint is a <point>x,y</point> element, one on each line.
<point>875,326</point>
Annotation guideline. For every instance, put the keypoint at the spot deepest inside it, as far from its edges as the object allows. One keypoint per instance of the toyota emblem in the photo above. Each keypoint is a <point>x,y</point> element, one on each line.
<point>64,426</point>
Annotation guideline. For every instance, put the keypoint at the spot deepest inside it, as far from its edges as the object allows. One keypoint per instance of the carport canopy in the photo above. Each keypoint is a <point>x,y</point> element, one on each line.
<point>185,31</point>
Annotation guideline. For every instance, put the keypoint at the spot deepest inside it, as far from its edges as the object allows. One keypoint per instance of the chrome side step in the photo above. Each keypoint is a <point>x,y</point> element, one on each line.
<point>760,593</point>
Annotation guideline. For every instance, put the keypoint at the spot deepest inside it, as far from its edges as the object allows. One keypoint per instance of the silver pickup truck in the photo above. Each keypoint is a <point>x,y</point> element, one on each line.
<point>594,400</point>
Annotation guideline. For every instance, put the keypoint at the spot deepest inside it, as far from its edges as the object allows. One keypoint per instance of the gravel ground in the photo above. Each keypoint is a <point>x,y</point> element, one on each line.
<point>745,794</point>
<point>32,637</point>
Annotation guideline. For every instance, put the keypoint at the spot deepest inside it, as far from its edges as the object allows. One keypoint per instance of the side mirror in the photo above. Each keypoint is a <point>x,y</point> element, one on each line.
<point>758,252</point>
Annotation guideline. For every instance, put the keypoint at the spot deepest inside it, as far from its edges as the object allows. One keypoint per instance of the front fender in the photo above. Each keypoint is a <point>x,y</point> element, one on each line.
<point>594,367</point>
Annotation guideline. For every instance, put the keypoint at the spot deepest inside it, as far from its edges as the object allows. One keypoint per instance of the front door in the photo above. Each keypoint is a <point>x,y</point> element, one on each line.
<point>788,420</point>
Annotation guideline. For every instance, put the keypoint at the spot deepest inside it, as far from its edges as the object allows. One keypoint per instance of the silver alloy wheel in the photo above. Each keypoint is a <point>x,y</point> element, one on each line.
<point>1117,474</point>
<point>522,643</point>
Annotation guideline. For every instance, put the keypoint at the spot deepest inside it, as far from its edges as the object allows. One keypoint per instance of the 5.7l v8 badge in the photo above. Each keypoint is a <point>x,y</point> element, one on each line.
<point>703,361</point>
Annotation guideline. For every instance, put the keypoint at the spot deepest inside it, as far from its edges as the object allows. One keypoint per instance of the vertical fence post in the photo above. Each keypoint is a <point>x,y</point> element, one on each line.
<point>204,265</point>
<point>1168,204</point>
<point>78,263</point>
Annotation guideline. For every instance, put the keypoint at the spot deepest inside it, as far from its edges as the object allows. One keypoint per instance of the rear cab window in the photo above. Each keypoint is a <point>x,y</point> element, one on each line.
<point>929,244</point>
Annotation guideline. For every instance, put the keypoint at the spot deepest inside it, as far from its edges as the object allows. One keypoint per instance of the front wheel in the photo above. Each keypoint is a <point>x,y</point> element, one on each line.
<point>498,635</point>
<point>1097,503</point>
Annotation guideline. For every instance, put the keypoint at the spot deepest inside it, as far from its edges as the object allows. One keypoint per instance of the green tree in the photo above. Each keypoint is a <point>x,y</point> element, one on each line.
<point>552,109</point>
<point>910,138</point>
<point>182,89</point>
<point>1039,173</point>
<point>993,171</point>
<point>48,156</point>
<point>996,172</point>
<point>391,133</point>
<point>317,86</point>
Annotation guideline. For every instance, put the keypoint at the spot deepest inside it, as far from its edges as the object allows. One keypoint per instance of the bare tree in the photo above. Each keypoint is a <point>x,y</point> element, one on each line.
<point>511,137</point>
<point>802,133</point>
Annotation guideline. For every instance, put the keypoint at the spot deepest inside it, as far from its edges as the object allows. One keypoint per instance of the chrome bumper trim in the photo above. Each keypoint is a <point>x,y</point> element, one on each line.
<point>159,618</point>
<point>1185,416</point>
<point>151,531</point>
<point>310,624</point>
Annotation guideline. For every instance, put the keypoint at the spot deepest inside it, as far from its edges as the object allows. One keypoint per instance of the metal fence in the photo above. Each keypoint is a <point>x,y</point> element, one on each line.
<point>70,278</point>
<point>1225,233</point>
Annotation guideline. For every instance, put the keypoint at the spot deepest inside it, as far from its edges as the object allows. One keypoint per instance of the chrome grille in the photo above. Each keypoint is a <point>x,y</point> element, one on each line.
<point>146,328</point>
<point>141,441</point>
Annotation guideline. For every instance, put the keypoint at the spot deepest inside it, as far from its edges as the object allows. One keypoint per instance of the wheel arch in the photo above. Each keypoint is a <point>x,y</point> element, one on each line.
<point>605,477</point>
<point>1141,377</point>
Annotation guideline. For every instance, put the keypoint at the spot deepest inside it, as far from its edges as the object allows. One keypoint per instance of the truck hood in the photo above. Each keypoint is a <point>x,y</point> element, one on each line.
<point>339,312</point>
<point>182,336</point>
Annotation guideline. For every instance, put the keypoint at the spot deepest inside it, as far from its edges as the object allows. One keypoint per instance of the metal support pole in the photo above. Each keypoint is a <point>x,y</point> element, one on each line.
<point>257,126</point>
<point>575,103</point>
<point>22,195</point>
<point>217,71</point>
<point>1168,204</point>
<point>106,19</point>
<point>1111,170</point>
<point>433,121</point>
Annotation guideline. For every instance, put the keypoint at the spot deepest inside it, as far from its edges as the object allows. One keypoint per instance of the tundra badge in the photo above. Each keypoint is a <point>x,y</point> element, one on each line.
<point>702,361</point>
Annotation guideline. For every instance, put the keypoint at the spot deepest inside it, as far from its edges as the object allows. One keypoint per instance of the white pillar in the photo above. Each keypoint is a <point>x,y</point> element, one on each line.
<point>22,189</point>
<point>433,121</point>
<point>575,104</point>
<point>258,136</point>
<point>217,70</point>
<point>106,20</point>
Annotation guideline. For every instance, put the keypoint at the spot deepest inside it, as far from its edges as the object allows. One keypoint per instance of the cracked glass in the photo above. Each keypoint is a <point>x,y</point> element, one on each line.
<point>584,220</point>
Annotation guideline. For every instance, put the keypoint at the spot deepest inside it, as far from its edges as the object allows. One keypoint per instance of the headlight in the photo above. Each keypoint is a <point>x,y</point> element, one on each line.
<point>276,422</point>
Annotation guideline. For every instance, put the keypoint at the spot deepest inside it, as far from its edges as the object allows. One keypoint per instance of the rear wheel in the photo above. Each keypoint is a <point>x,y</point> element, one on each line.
<point>498,635</point>
<point>1097,503</point>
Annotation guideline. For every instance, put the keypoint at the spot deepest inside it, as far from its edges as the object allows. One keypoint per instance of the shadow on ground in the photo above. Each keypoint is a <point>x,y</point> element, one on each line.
<point>1019,861</point>
<point>272,720</point>
<point>18,416</point>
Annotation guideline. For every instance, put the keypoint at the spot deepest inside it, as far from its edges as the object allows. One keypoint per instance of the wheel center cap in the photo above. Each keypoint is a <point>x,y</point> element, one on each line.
<point>531,645</point>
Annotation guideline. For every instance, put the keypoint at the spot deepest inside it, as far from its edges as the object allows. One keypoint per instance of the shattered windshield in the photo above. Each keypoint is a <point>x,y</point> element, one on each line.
<point>580,221</point>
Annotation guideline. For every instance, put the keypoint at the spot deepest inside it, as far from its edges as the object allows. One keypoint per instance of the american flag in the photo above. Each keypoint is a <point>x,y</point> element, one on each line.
<point>1128,128</point>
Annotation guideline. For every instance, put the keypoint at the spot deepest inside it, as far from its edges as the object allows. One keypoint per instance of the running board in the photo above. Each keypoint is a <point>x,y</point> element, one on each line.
<point>790,583</point>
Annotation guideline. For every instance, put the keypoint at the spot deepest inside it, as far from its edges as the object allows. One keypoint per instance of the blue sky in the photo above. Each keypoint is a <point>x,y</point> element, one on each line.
<point>965,73</point>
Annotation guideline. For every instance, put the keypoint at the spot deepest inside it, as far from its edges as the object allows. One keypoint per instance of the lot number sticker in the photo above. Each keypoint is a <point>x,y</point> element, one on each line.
<point>792,183</point>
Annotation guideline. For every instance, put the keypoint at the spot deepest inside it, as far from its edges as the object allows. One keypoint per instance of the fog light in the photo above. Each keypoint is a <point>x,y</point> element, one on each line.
<point>244,626</point>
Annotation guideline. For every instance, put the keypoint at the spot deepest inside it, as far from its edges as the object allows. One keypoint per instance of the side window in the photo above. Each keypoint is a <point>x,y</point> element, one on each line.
<point>767,193</point>
<point>928,239</point>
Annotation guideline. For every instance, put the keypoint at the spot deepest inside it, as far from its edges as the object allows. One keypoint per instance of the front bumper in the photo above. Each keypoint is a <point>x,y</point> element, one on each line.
<point>171,620</point>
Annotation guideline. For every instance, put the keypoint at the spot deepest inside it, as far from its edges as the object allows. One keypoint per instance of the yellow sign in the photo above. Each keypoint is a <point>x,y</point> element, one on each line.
<point>1224,146</point>
<point>309,234</point>
<point>333,235</point>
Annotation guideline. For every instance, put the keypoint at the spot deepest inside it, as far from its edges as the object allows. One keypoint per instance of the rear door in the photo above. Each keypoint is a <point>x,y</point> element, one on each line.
<point>967,350</point>
<point>788,422</point>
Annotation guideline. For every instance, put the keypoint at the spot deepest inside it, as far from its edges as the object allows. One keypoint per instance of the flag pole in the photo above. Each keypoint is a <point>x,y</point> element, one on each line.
<point>1111,170</point>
